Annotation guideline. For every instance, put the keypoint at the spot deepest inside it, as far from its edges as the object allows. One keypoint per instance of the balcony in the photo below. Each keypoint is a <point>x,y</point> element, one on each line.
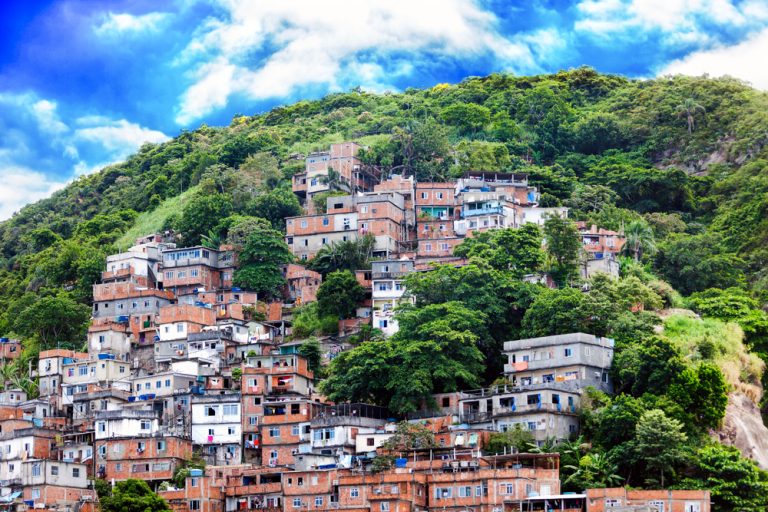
<point>473,211</point>
<point>119,273</point>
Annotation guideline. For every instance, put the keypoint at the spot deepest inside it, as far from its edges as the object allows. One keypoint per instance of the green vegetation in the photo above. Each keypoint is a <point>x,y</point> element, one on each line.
<point>131,496</point>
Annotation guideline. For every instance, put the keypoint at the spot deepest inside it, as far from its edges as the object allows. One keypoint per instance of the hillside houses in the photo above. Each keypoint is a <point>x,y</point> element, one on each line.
<point>181,362</point>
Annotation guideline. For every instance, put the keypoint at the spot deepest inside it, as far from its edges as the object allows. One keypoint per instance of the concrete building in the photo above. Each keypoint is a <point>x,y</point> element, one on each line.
<point>217,427</point>
<point>638,500</point>
<point>387,291</point>
<point>152,458</point>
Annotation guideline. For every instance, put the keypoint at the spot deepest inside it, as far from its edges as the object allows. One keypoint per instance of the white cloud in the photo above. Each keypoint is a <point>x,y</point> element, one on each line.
<point>120,138</point>
<point>335,43</point>
<point>681,23</point>
<point>20,186</point>
<point>126,23</point>
<point>40,151</point>
<point>740,61</point>
<point>48,118</point>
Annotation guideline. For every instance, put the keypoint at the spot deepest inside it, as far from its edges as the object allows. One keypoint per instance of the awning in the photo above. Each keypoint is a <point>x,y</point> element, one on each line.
<point>9,498</point>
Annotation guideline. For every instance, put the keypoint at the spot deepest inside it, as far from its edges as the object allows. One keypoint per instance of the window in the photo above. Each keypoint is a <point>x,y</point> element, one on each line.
<point>230,410</point>
<point>443,492</point>
<point>35,494</point>
<point>658,504</point>
<point>692,506</point>
<point>384,506</point>
<point>231,431</point>
<point>295,430</point>
<point>159,384</point>
<point>160,446</point>
<point>118,466</point>
<point>296,502</point>
<point>252,420</point>
<point>507,488</point>
<point>423,195</point>
<point>304,223</point>
<point>211,432</point>
<point>169,275</point>
<point>193,272</point>
<point>568,352</point>
<point>181,273</point>
<point>102,426</point>
<point>354,492</point>
<point>55,470</point>
<point>194,504</point>
<point>325,221</point>
<point>439,195</point>
<point>428,247</point>
<point>383,324</point>
<point>76,472</point>
<point>274,431</point>
<point>610,503</point>
<point>122,369</point>
<point>35,468</point>
<point>82,370</point>
<point>212,410</point>
<point>193,482</point>
<point>465,492</point>
<point>146,425</point>
<point>318,501</point>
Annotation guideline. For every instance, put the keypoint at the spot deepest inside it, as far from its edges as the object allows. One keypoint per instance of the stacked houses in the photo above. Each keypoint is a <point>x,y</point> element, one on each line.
<point>179,365</point>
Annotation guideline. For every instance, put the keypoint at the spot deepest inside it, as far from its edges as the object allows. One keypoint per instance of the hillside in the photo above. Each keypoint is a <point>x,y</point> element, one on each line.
<point>679,163</point>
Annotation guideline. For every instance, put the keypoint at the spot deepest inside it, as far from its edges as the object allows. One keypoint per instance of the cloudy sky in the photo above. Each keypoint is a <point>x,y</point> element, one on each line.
<point>83,83</point>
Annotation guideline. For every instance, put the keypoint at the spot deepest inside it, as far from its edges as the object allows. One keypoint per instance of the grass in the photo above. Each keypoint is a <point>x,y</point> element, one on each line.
<point>154,220</point>
<point>722,343</point>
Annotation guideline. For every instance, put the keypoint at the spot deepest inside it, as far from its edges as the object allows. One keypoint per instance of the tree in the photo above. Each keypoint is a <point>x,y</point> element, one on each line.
<point>563,244</point>
<point>410,436</point>
<point>201,215</point>
<point>595,470</point>
<point>275,205</point>
<point>468,117</point>
<point>639,239</point>
<point>689,109</point>
<point>313,353</point>
<point>694,263</point>
<point>260,260</point>
<point>346,255</point>
<point>133,496</point>
<point>517,251</point>
<point>434,352</point>
<point>592,198</point>
<point>55,320</point>
<point>736,483</point>
<point>512,439</point>
<point>702,394</point>
<point>659,443</point>
<point>339,294</point>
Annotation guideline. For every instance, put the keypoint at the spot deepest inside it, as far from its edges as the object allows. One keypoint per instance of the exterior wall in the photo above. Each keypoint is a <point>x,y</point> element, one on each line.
<point>162,384</point>
<point>599,500</point>
<point>111,337</point>
<point>57,473</point>
<point>126,422</point>
<point>146,458</point>
<point>9,349</point>
<point>54,496</point>
<point>99,370</point>
<point>442,247</point>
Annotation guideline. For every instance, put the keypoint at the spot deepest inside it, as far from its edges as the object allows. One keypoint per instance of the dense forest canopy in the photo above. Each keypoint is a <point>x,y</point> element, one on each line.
<point>679,164</point>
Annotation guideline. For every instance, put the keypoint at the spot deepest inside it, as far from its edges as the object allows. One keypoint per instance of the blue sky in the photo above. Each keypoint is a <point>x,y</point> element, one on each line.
<point>83,83</point>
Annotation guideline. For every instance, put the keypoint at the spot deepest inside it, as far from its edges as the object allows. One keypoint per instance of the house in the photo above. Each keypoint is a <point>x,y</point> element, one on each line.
<point>153,458</point>
<point>387,291</point>
<point>139,264</point>
<point>546,377</point>
<point>631,500</point>
<point>217,427</point>
<point>51,484</point>
<point>188,270</point>
<point>50,372</point>
<point>9,349</point>
<point>200,493</point>
<point>302,283</point>
<point>335,428</point>
<point>125,423</point>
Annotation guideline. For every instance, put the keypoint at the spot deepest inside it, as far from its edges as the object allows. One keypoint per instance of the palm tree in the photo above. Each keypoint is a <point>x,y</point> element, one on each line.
<point>333,179</point>
<point>639,239</point>
<point>688,109</point>
<point>595,470</point>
